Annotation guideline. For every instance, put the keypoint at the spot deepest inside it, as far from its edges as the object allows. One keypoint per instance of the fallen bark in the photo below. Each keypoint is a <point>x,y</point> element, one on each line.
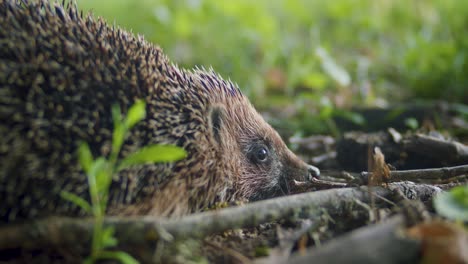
<point>450,152</point>
<point>401,151</point>
<point>380,243</point>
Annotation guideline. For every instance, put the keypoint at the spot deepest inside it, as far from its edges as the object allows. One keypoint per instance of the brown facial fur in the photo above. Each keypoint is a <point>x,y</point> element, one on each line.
<point>242,132</point>
<point>60,73</point>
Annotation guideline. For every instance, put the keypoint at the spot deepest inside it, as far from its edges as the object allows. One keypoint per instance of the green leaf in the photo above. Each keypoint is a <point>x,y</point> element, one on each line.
<point>135,114</point>
<point>123,257</point>
<point>337,72</point>
<point>101,173</point>
<point>85,156</point>
<point>153,154</point>
<point>103,180</point>
<point>453,204</point>
<point>98,174</point>
<point>108,239</point>
<point>394,114</point>
<point>460,194</point>
<point>353,117</point>
<point>326,108</point>
<point>118,136</point>
<point>76,200</point>
<point>99,165</point>
<point>316,81</point>
<point>412,123</point>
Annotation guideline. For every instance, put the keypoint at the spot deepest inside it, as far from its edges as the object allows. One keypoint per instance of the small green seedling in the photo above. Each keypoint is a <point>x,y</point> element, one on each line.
<point>99,172</point>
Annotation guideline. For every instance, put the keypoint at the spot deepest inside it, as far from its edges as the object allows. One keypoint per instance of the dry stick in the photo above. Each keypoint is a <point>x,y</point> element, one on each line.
<point>437,174</point>
<point>142,231</point>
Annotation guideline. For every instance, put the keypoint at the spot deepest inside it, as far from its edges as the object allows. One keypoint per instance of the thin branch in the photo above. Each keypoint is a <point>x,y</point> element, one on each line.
<point>144,232</point>
<point>435,175</point>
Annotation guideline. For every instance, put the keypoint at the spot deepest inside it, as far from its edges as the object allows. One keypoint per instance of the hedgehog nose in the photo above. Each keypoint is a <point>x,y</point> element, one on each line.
<point>314,172</point>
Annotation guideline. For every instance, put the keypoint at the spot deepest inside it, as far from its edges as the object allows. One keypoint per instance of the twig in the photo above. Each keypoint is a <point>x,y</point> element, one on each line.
<point>318,184</point>
<point>435,175</point>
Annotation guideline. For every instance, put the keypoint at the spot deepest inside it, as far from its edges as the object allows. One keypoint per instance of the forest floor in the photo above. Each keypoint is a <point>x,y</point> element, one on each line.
<point>374,203</point>
<point>400,225</point>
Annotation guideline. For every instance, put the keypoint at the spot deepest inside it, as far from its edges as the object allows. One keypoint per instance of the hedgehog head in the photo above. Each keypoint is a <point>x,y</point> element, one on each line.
<point>262,165</point>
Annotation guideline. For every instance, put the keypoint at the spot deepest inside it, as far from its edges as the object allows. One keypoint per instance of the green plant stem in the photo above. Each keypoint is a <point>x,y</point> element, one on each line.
<point>99,174</point>
<point>98,208</point>
<point>99,203</point>
<point>97,238</point>
<point>97,211</point>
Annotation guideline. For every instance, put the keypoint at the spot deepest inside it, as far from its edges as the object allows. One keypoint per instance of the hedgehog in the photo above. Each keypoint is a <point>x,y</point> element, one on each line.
<point>61,72</point>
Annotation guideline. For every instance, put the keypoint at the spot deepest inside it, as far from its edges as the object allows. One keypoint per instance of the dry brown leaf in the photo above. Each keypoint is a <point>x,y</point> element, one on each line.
<point>380,170</point>
<point>442,242</point>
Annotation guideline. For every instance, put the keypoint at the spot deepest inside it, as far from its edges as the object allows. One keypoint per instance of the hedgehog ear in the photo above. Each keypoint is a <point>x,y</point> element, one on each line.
<point>217,114</point>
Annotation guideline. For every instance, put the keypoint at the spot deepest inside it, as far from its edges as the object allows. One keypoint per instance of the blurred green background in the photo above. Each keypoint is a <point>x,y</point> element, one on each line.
<point>312,59</point>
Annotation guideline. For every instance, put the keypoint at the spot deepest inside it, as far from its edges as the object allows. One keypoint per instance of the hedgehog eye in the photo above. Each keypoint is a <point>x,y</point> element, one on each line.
<point>260,154</point>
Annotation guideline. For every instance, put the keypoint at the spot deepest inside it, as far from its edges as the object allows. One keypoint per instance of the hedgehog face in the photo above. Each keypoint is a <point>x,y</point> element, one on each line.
<point>269,167</point>
<point>265,166</point>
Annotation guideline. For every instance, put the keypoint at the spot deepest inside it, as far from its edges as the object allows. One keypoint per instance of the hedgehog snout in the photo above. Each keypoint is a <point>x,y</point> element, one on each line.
<point>314,172</point>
